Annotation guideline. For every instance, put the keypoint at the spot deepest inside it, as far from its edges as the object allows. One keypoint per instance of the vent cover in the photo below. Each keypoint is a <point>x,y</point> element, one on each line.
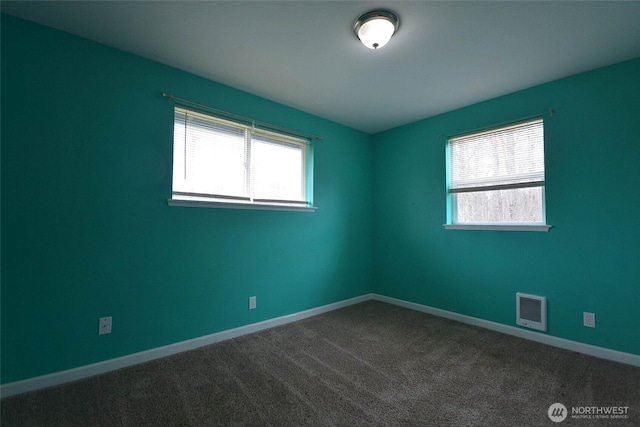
<point>531,311</point>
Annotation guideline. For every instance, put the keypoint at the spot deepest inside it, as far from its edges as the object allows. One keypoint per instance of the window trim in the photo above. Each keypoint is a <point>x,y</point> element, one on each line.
<point>236,205</point>
<point>499,227</point>
<point>451,216</point>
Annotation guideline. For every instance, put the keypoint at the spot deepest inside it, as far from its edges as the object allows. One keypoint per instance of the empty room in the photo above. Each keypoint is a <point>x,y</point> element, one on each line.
<point>320,213</point>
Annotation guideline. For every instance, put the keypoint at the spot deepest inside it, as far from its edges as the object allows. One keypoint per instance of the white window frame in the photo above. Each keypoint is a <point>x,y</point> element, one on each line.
<point>513,182</point>
<point>252,135</point>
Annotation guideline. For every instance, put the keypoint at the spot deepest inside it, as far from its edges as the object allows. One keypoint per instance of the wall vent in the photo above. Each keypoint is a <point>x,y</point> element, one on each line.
<point>531,311</point>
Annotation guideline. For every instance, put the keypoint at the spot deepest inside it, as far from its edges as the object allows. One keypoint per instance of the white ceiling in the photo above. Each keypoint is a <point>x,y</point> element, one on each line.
<point>304,54</point>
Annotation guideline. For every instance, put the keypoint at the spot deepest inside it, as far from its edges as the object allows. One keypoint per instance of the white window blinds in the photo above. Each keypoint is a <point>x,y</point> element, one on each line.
<point>509,157</point>
<point>222,160</point>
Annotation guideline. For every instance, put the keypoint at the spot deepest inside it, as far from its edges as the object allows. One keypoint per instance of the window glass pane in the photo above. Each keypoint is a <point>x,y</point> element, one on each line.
<point>524,205</point>
<point>209,160</point>
<point>277,170</point>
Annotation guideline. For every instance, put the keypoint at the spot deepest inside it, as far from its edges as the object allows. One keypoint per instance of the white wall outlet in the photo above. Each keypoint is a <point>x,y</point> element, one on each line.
<point>589,319</point>
<point>252,303</point>
<point>104,325</point>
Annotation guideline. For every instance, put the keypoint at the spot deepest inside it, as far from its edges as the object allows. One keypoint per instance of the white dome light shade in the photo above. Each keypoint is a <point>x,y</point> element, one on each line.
<point>374,29</point>
<point>375,33</point>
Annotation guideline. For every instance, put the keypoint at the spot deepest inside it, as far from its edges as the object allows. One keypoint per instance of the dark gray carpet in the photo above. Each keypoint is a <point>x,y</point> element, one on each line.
<point>368,364</point>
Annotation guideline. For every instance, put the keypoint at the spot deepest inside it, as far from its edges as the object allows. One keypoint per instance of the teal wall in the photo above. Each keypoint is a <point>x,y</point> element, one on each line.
<point>588,261</point>
<point>87,232</point>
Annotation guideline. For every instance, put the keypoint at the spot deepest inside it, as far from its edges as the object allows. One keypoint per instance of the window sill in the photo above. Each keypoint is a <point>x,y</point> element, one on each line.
<point>498,227</point>
<point>227,205</point>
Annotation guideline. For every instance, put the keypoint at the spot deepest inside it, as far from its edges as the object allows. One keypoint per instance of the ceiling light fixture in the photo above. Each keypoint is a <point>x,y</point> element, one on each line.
<point>375,28</point>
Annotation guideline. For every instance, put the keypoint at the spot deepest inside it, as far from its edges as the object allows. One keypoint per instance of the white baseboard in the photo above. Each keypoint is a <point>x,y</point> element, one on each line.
<point>591,350</point>
<point>57,378</point>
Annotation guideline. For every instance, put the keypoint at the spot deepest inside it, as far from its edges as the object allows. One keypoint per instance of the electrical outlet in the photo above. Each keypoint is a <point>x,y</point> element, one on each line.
<point>589,319</point>
<point>252,303</point>
<point>104,325</point>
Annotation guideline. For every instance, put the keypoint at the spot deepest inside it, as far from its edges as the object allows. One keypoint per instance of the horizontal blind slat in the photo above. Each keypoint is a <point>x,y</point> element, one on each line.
<point>497,187</point>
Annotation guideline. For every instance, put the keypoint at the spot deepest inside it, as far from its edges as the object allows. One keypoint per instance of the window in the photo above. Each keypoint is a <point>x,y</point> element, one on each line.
<point>220,161</point>
<point>496,178</point>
